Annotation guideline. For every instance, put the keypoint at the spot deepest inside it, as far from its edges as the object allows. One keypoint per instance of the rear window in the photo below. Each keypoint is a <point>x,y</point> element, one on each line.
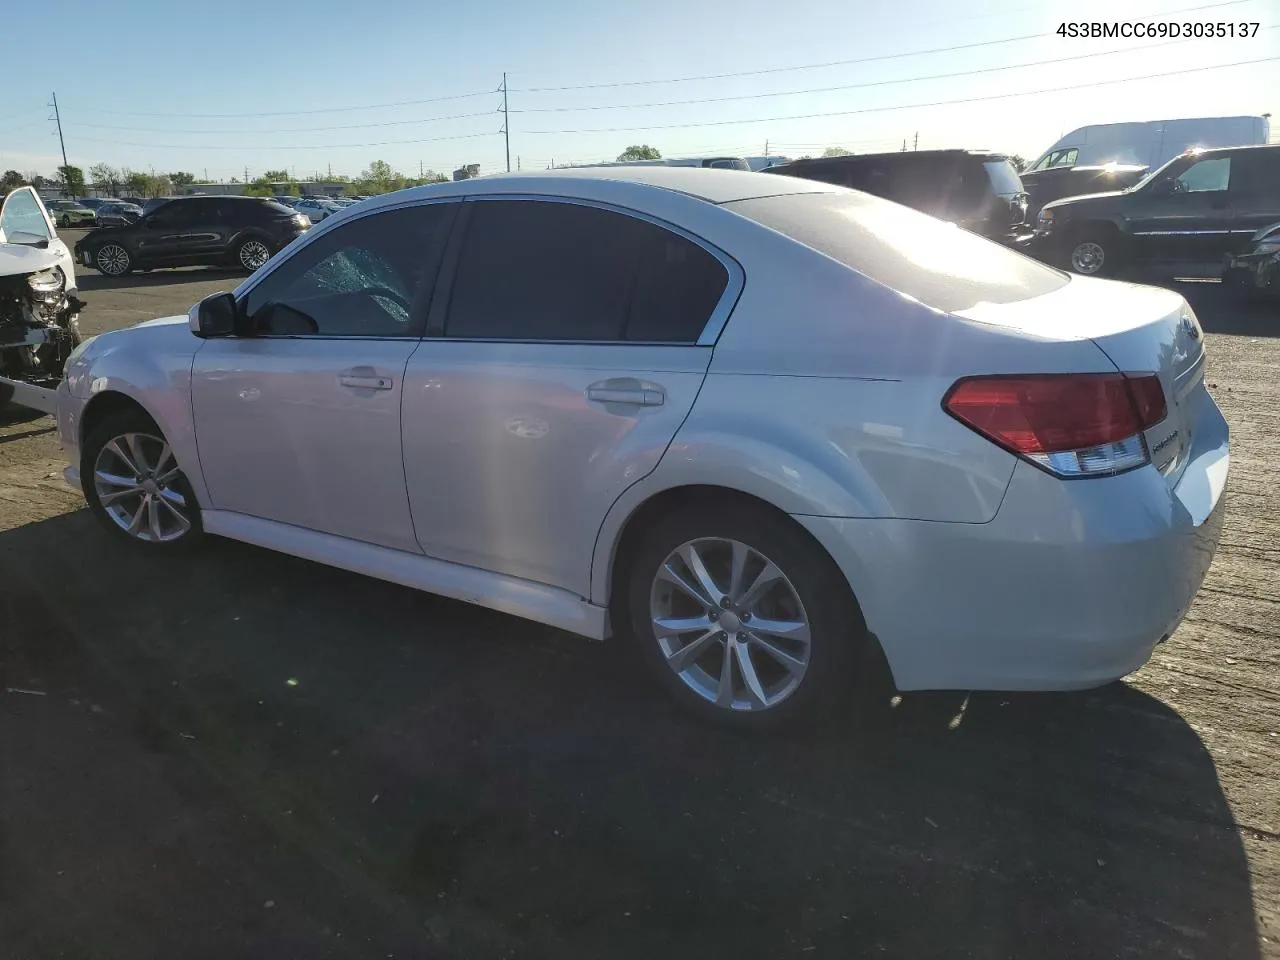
<point>730,163</point>
<point>278,208</point>
<point>934,262</point>
<point>1004,179</point>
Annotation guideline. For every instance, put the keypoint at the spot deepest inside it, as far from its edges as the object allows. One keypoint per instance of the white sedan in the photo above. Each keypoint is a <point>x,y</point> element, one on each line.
<point>775,433</point>
<point>316,210</point>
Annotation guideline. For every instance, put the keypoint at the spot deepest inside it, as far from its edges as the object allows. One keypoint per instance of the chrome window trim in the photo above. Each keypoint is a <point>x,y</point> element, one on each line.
<point>715,322</point>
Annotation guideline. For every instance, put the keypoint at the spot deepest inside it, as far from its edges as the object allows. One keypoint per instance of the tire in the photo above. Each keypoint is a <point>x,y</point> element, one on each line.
<point>129,446</point>
<point>65,221</point>
<point>811,590</point>
<point>1094,253</point>
<point>112,260</point>
<point>252,253</point>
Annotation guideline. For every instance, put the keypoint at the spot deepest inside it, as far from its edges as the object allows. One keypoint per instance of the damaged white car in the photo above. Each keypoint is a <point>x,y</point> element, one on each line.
<point>38,307</point>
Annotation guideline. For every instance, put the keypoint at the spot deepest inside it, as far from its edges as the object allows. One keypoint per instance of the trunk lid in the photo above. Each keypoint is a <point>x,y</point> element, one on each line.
<point>1140,329</point>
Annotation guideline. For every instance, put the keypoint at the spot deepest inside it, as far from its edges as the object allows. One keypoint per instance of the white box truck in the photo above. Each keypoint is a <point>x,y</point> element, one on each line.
<point>1150,143</point>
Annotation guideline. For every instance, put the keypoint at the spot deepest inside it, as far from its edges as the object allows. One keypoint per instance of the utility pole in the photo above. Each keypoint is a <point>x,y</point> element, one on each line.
<point>915,142</point>
<point>517,161</point>
<point>246,174</point>
<point>904,146</point>
<point>766,148</point>
<point>58,119</point>
<point>506,120</point>
<point>420,174</point>
<point>330,170</point>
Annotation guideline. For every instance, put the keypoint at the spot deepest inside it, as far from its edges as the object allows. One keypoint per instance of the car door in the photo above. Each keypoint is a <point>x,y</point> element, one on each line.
<point>162,235</point>
<point>1186,217</point>
<point>206,232</point>
<point>300,423</point>
<point>575,342</point>
<point>25,220</point>
<point>1255,195</point>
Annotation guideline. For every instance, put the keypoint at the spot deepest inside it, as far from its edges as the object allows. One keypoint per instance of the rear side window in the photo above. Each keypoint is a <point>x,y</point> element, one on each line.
<point>536,270</point>
<point>937,263</point>
<point>1257,174</point>
<point>1004,179</point>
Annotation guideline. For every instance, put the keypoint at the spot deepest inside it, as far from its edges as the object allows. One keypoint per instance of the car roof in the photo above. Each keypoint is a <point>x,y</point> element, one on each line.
<point>616,184</point>
<point>1219,151</point>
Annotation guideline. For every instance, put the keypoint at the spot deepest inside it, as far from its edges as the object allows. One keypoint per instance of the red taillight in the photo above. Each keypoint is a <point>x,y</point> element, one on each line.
<point>1072,424</point>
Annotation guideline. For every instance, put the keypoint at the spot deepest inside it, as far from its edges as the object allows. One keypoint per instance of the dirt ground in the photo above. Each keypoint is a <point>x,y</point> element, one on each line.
<point>242,755</point>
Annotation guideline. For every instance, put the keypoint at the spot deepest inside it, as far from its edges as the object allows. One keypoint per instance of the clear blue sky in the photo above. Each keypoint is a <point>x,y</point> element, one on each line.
<point>181,62</point>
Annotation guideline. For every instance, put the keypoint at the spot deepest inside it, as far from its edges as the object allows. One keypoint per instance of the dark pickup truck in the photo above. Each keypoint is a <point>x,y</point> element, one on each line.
<point>1196,211</point>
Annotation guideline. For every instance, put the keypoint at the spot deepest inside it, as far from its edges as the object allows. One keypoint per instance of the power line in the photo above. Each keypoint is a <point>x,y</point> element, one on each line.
<point>841,63</point>
<point>907,106</point>
<point>260,146</point>
<point>292,113</point>
<point>859,86</point>
<point>350,126</point>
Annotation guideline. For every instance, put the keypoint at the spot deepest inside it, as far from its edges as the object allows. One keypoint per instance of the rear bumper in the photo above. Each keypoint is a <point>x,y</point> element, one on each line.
<point>1071,585</point>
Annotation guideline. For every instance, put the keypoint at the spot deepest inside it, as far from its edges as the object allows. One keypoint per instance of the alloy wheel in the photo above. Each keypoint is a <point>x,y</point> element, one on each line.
<point>730,624</point>
<point>136,480</point>
<point>1087,257</point>
<point>253,254</point>
<point>112,259</point>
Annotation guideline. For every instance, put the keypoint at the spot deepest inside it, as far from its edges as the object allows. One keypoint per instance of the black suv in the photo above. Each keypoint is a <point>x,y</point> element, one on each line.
<point>239,232</point>
<point>1197,210</point>
<point>978,191</point>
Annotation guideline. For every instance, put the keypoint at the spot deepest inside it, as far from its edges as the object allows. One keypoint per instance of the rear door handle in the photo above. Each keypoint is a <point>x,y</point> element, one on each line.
<point>605,392</point>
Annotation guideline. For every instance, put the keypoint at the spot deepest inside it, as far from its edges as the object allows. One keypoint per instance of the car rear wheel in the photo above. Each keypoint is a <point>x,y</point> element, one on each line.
<point>134,486</point>
<point>252,254</point>
<point>113,260</point>
<point>65,221</point>
<point>743,618</point>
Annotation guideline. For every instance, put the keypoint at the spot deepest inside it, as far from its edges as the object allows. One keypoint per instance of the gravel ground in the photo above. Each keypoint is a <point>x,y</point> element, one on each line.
<point>246,755</point>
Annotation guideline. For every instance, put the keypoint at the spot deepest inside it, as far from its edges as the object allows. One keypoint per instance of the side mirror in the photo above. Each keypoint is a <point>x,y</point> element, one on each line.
<point>215,316</point>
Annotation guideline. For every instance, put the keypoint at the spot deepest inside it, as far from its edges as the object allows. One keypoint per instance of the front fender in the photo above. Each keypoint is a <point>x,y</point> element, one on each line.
<point>156,379</point>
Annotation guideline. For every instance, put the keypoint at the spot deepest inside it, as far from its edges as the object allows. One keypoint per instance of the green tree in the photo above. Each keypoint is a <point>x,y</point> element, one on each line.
<point>11,180</point>
<point>381,177</point>
<point>1018,162</point>
<point>180,178</point>
<point>260,187</point>
<point>70,181</point>
<point>837,152</point>
<point>104,177</point>
<point>277,176</point>
<point>639,152</point>
<point>136,182</point>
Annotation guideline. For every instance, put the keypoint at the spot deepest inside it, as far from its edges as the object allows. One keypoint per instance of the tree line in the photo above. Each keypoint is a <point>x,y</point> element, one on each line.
<point>71,181</point>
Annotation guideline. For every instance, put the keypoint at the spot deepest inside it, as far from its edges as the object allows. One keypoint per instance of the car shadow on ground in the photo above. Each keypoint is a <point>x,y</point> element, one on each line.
<point>328,752</point>
<point>1220,308</point>
<point>87,282</point>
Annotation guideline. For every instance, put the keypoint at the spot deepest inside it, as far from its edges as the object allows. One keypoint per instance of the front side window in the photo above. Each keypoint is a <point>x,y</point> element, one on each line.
<point>1058,158</point>
<point>22,215</point>
<point>1207,176</point>
<point>361,280</point>
<point>536,270</point>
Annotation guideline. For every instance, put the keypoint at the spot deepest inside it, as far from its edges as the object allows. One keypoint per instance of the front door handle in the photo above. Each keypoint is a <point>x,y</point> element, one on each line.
<point>364,379</point>
<point>631,393</point>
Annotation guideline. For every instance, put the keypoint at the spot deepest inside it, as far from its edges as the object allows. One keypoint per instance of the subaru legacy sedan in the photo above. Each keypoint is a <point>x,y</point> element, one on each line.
<point>783,437</point>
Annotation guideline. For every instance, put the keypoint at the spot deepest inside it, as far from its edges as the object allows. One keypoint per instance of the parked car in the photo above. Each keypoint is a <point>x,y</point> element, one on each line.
<point>1045,186</point>
<point>1195,210</point>
<point>189,231</point>
<point>770,431</point>
<point>117,214</point>
<point>93,203</point>
<point>713,163</point>
<point>1257,269</point>
<point>1150,143</point>
<point>316,210</point>
<point>978,191</point>
<point>138,202</point>
<point>69,213</point>
<point>154,203</point>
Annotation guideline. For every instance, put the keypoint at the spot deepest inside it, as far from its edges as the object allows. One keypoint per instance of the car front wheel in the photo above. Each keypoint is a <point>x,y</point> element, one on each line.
<point>743,617</point>
<point>1093,253</point>
<point>252,254</point>
<point>134,486</point>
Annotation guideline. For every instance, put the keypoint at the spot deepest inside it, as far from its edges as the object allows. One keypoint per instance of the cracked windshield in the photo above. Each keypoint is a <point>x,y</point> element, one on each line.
<point>587,481</point>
